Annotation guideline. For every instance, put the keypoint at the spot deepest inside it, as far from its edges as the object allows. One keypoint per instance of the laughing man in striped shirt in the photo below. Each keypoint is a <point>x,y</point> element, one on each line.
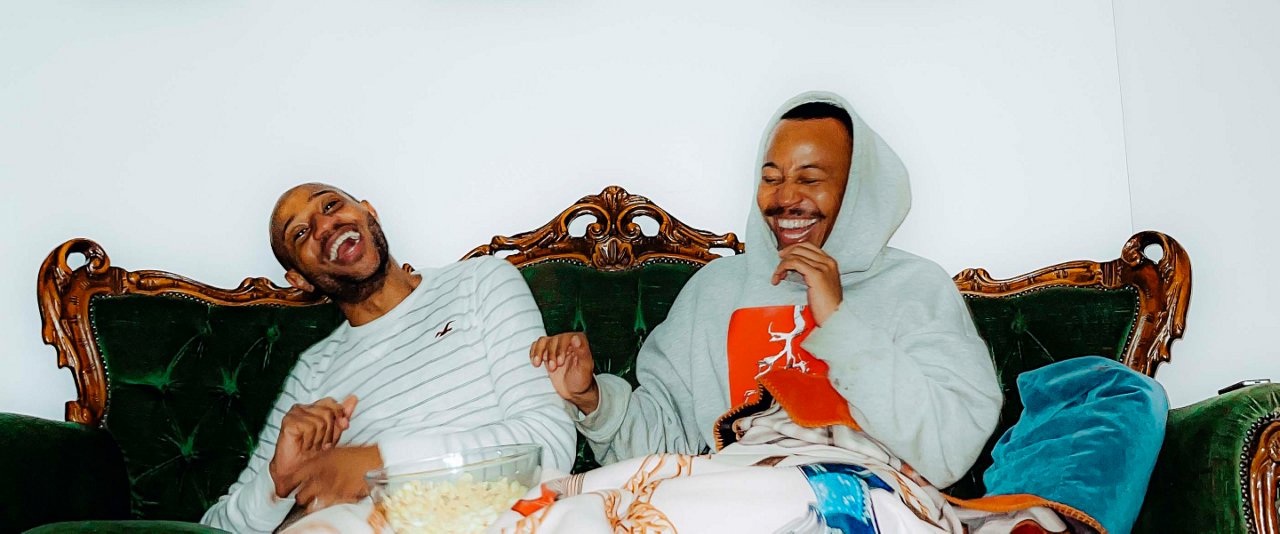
<point>426,363</point>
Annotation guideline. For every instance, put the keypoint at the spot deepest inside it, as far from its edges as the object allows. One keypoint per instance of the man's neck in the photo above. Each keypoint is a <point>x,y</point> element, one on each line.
<point>397,286</point>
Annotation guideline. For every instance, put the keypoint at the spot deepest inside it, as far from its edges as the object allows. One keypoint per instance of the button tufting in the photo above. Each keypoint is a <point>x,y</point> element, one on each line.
<point>187,447</point>
<point>229,384</point>
<point>165,384</point>
<point>1019,325</point>
<point>184,384</point>
<point>579,322</point>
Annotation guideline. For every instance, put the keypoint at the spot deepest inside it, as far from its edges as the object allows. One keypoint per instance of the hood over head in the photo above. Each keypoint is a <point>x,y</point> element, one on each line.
<point>876,200</point>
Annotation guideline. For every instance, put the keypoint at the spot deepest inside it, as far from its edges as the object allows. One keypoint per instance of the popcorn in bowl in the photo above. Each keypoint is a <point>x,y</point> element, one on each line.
<point>456,493</point>
<point>444,507</point>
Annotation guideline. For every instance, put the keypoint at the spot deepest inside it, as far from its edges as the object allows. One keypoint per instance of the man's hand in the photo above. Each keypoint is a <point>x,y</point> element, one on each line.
<point>336,476</point>
<point>821,273</point>
<point>304,431</point>
<point>568,360</point>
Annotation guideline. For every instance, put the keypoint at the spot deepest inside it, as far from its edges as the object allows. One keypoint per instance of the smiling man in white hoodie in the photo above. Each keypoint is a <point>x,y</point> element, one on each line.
<point>898,338</point>
<point>428,362</point>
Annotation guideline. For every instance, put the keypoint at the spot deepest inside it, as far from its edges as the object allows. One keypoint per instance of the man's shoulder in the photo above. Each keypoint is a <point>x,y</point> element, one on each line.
<point>486,269</point>
<point>901,259</point>
<point>726,268</point>
<point>716,273</point>
<point>477,268</point>
<point>903,268</point>
<point>716,277</point>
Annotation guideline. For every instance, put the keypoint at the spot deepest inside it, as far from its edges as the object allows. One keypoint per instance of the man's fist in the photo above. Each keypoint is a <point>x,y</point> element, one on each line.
<point>336,476</point>
<point>821,273</point>
<point>568,361</point>
<point>305,430</point>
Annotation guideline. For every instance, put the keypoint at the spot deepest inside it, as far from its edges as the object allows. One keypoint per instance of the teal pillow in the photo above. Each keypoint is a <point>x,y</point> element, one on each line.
<point>1089,435</point>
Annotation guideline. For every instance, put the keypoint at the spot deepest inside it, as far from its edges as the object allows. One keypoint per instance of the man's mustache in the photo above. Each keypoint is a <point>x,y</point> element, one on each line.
<point>774,211</point>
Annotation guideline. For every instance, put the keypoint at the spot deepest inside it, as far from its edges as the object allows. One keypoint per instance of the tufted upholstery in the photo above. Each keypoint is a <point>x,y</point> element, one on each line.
<point>616,310</point>
<point>190,385</point>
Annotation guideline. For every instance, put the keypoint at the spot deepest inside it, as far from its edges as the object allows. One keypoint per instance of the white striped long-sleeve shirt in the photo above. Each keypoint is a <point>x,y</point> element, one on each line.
<point>446,370</point>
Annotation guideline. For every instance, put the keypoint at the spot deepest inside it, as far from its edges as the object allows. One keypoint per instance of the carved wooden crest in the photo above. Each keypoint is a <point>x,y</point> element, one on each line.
<point>614,242</point>
<point>1164,291</point>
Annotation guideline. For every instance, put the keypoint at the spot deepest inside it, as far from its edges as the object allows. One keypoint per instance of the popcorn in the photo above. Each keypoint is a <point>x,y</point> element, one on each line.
<point>461,506</point>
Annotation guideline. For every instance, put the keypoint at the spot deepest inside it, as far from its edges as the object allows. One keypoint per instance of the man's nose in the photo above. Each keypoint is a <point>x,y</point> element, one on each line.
<point>323,224</point>
<point>787,194</point>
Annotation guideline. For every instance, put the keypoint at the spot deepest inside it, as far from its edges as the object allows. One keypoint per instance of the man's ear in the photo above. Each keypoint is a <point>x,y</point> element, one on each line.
<point>296,279</point>
<point>369,207</point>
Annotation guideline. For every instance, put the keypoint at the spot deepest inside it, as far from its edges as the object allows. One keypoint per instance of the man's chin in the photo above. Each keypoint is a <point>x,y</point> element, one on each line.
<point>349,286</point>
<point>351,291</point>
<point>353,272</point>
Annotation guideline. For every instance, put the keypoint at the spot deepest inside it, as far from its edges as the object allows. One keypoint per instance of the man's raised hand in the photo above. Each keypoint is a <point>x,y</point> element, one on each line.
<point>568,361</point>
<point>821,273</point>
<point>305,430</point>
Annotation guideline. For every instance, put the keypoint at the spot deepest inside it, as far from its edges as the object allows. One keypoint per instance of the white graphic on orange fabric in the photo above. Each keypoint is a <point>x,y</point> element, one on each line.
<point>792,362</point>
<point>765,339</point>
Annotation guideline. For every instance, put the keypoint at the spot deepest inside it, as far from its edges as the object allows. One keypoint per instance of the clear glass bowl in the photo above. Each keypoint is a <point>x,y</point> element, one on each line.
<point>458,492</point>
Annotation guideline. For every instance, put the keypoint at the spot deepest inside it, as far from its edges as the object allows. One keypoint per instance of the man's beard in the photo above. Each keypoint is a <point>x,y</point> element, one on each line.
<point>349,289</point>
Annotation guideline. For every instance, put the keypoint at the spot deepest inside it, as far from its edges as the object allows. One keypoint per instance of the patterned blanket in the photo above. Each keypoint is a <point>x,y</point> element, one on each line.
<point>778,476</point>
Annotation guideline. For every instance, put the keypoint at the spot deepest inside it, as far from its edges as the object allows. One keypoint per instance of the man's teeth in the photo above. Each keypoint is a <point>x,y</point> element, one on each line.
<point>333,249</point>
<point>792,224</point>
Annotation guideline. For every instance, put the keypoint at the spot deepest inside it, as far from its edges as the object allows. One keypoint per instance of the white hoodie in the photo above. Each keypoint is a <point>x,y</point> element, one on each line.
<point>901,348</point>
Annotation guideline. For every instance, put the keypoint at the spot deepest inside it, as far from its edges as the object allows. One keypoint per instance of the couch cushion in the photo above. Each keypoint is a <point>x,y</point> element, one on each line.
<point>616,310</point>
<point>1029,330</point>
<point>125,527</point>
<point>58,471</point>
<point>189,387</point>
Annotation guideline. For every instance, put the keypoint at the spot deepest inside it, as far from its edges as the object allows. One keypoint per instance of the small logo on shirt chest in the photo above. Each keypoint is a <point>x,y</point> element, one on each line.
<point>447,328</point>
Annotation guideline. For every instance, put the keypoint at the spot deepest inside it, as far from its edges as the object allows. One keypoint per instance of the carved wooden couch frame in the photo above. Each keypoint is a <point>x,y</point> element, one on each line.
<point>615,242</point>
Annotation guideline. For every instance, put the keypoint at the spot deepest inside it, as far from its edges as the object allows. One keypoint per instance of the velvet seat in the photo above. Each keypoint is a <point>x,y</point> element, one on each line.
<point>190,385</point>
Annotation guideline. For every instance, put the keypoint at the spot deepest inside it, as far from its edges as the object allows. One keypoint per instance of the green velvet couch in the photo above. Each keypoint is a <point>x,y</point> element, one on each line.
<point>175,378</point>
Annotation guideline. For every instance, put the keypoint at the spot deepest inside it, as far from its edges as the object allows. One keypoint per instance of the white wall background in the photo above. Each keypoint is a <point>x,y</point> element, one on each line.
<point>165,130</point>
<point>1201,88</point>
